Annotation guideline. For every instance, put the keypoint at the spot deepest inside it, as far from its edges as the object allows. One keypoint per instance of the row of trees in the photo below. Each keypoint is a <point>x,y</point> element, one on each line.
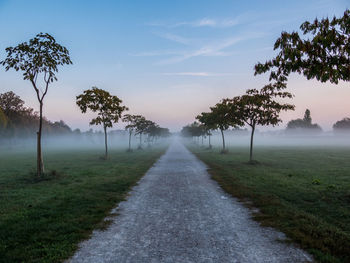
<point>322,52</point>
<point>138,125</point>
<point>109,111</point>
<point>38,60</point>
<point>305,126</point>
<point>255,107</point>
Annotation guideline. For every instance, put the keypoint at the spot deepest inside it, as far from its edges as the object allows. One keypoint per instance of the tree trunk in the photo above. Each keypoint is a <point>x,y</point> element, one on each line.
<point>130,140</point>
<point>106,146</point>
<point>40,164</point>
<point>209,142</point>
<point>223,140</point>
<point>202,140</point>
<point>251,144</point>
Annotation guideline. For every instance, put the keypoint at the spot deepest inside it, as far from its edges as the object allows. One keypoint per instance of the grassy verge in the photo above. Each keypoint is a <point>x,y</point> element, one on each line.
<point>44,220</point>
<point>304,192</point>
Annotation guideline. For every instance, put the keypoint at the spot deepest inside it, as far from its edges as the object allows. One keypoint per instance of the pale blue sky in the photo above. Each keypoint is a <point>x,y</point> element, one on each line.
<point>167,60</point>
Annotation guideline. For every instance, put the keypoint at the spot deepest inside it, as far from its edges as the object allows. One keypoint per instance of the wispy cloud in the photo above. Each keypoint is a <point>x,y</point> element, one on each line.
<point>207,22</point>
<point>156,53</point>
<point>175,38</point>
<point>213,49</point>
<point>197,74</point>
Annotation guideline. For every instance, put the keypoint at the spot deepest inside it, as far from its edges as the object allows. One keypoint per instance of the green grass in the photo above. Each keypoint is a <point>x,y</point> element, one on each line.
<point>44,220</point>
<point>304,192</point>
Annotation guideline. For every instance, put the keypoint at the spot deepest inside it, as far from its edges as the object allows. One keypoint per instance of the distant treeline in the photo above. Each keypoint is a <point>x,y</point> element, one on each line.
<point>297,126</point>
<point>19,121</point>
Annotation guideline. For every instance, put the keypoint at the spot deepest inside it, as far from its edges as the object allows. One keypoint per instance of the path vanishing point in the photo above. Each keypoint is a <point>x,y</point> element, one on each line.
<point>178,214</point>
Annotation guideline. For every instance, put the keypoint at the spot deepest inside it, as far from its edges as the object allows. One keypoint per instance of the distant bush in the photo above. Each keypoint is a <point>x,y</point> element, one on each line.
<point>342,125</point>
<point>304,125</point>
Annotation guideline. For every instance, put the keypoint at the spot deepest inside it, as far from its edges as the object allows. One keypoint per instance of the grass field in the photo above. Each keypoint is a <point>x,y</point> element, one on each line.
<point>305,192</point>
<point>44,220</point>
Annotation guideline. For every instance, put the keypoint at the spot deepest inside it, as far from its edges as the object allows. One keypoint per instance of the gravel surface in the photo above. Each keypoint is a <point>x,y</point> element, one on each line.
<point>178,214</point>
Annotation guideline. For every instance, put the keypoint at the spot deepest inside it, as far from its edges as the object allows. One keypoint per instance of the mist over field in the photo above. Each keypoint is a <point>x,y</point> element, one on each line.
<point>91,142</point>
<point>277,138</point>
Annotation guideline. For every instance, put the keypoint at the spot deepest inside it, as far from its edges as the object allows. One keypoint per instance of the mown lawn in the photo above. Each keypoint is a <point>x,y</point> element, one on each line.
<point>305,192</point>
<point>44,220</point>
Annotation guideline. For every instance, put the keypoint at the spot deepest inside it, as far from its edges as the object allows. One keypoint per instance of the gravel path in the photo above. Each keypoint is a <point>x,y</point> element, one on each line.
<point>178,214</point>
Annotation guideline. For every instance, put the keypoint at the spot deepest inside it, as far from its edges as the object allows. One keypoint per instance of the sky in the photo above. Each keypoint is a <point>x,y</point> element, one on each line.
<point>167,60</point>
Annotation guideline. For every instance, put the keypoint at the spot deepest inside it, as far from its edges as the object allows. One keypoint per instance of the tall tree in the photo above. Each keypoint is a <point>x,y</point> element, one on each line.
<point>307,117</point>
<point>131,126</point>
<point>322,51</point>
<point>108,107</point>
<point>38,59</point>
<point>259,107</point>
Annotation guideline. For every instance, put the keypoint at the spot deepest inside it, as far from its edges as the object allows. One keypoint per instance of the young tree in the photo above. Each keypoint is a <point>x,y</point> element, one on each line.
<point>38,59</point>
<point>259,107</point>
<point>325,56</point>
<point>207,120</point>
<point>152,131</point>
<point>131,126</point>
<point>107,106</point>
<point>220,116</point>
<point>141,127</point>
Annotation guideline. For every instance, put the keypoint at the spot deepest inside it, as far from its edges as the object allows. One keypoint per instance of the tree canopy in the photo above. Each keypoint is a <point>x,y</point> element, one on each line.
<point>321,52</point>
<point>42,55</point>
<point>108,107</point>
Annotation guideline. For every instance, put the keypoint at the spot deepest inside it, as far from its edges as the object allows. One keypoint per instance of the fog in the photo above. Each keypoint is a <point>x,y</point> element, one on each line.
<point>116,141</point>
<point>277,138</point>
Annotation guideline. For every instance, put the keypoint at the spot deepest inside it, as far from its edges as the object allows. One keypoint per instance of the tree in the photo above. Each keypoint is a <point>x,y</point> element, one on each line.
<point>131,126</point>
<point>107,106</point>
<point>152,132</point>
<point>325,56</point>
<point>342,125</point>
<point>11,103</point>
<point>259,107</point>
<point>38,59</point>
<point>142,127</point>
<point>208,122</point>
<point>220,115</point>
<point>307,117</point>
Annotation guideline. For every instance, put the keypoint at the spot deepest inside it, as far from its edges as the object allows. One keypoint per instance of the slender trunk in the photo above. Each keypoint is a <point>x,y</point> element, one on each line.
<point>251,144</point>
<point>40,164</point>
<point>223,140</point>
<point>209,141</point>
<point>106,147</point>
<point>202,140</point>
<point>130,140</point>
